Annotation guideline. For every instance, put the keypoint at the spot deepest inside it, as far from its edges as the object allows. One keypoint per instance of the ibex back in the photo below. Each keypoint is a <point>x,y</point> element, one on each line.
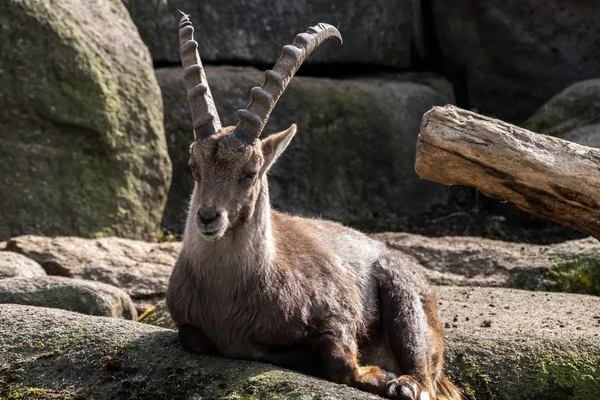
<point>305,294</point>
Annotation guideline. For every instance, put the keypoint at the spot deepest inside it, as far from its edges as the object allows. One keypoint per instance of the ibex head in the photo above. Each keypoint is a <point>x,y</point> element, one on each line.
<point>229,164</point>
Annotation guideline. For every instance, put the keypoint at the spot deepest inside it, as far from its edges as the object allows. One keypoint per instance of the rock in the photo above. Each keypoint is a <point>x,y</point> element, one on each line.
<point>16,265</point>
<point>158,315</point>
<point>570,266</point>
<point>82,147</point>
<point>103,358</point>
<point>352,159</point>
<point>380,32</point>
<point>535,346</point>
<point>588,135</point>
<point>512,344</point>
<point>86,297</point>
<point>573,114</point>
<point>515,55</point>
<point>141,269</point>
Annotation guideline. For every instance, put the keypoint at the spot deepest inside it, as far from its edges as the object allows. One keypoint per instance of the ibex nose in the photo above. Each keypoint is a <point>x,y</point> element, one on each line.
<point>208,216</point>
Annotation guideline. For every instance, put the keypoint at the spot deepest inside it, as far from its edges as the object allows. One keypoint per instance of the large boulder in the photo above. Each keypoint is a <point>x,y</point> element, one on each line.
<point>82,147</point>
<point>16,265</point>
<point>380,32</point>
<point>62,354</point>
<point>501,344</point>
<point>87,297</point>
<point>141,269</point>
<point>573,114</point>
<point>571,266</point>
<point>352,159</point>
<point>514,54</point>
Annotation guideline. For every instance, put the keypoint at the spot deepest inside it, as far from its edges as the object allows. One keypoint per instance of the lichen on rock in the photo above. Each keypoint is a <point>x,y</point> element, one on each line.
<point>82,146</point>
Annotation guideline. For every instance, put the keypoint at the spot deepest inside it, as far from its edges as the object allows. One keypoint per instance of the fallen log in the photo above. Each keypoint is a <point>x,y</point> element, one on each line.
<point>546,176</point>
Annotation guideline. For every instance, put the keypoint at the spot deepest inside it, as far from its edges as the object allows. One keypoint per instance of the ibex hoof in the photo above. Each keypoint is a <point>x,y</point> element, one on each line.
<point>400,389</point>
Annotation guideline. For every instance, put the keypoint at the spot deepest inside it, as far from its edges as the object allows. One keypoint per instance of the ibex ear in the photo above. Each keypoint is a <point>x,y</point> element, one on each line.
<point>275,144</point>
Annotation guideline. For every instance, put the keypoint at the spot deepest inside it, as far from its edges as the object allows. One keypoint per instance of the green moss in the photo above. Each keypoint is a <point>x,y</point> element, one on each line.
<point>87,119</point>
<point>540,372</point>
<point>468,374</point>
<point>573,273</point>
<point>576,376</point>
<point>35,393</point>
<point>168,237</point>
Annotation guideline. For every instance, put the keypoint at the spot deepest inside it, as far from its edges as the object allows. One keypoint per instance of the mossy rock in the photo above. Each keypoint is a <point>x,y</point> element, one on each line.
<point>352,159</point>
<point>574,273</point>
<point>572,266</point>
<point>573,114</point>
<point>58,354</point>
<point>505,344</point>
<point>82,146</point>
<point>512,344</point>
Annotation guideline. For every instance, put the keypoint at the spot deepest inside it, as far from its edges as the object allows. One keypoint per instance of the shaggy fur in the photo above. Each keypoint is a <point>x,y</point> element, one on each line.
<point>305,294</point>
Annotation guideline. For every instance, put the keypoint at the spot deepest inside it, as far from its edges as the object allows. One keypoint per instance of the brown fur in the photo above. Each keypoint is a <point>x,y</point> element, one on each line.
<point>304,294</point>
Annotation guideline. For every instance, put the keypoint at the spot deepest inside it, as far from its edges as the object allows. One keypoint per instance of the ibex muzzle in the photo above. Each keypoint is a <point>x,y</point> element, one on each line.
<point>304,294</point>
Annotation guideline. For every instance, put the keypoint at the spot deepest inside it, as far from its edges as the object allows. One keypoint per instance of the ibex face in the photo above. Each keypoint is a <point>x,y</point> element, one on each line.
<point>229,164</point>
<point>228,173</point>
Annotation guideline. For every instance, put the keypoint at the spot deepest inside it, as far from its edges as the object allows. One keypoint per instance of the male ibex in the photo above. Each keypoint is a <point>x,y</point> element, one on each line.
<point>305,294</point>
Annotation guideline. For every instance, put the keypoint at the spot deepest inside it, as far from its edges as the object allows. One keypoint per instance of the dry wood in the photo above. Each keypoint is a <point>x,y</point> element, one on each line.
<point>543,175</point>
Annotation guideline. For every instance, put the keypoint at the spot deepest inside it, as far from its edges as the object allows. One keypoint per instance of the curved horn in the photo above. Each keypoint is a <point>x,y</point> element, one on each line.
<point>263,99</point>
<point>204,113</point>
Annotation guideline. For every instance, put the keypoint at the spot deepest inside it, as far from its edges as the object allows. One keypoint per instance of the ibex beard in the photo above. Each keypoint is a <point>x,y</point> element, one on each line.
<point>304,294</point>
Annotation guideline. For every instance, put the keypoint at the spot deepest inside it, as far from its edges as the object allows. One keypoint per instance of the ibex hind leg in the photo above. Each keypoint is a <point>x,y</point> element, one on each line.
<point>412,330</point>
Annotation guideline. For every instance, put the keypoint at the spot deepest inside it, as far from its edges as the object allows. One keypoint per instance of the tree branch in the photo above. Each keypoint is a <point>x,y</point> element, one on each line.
<point>543,175</point>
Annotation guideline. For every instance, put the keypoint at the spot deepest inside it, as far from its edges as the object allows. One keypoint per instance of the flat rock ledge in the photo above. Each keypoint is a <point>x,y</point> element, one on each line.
<point>501,344</point>
<point>55,354</point>
<point>571,266</point>
<point>515,344</point>
<point>510,344</point>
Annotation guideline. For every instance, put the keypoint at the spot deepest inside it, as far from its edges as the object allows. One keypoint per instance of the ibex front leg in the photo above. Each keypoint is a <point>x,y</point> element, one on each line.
<point>340,365</point>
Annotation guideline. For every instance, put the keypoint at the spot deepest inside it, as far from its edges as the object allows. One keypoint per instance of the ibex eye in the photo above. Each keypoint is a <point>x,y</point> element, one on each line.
<point>250,176</point>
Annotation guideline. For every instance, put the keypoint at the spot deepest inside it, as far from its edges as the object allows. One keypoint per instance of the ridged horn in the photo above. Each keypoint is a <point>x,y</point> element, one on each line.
<point>202,106</point>
<point>253,118</point>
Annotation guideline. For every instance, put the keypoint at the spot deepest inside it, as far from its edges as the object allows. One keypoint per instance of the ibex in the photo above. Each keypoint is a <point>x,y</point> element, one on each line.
<point>305,294</point>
